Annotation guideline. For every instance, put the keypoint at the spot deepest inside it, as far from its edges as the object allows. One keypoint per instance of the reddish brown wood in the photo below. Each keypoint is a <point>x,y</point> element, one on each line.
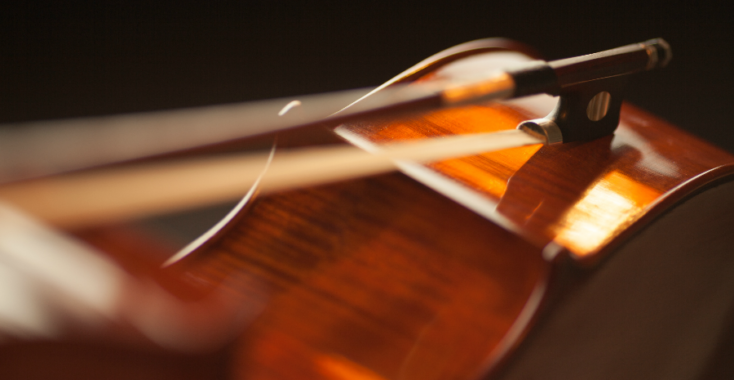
<point>386,278</point>
<point>390,278</point>
<point>540,192</point>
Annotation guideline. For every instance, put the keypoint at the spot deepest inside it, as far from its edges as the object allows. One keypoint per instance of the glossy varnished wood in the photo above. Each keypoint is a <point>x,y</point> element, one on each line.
<point>579,196</point>
<point>438,272</point>
<point>390,280</point>
<point>386,278</point>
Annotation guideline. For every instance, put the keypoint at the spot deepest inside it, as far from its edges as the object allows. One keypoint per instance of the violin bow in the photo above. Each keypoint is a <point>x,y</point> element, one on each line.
<point>590,89</point>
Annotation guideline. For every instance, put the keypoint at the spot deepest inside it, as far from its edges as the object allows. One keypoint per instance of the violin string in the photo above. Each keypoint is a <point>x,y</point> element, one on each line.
<point>103,196</point>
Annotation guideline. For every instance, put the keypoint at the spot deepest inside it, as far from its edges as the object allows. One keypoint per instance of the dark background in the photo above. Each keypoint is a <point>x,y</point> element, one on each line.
<point>67,59</point>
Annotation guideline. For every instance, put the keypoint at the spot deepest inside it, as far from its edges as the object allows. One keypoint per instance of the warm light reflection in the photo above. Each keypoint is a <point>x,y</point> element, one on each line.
<point>606,209</point>
<point>474,119</point>
<point>339,368</point>
<point>469,172</point>
<point>488,172</point>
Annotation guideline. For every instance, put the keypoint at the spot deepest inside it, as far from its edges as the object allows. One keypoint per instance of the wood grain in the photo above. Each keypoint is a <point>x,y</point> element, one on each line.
<point>384,278</point>
<point>390,278</point>
<point>546,194</point>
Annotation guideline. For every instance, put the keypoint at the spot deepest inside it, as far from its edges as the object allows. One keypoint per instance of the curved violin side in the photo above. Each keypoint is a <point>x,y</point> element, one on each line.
<point>455,269</point>
<point>580,260</point>
<point>621,219</point>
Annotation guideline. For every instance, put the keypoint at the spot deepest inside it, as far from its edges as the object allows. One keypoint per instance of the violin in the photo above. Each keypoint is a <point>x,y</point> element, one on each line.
<point>605,257</point>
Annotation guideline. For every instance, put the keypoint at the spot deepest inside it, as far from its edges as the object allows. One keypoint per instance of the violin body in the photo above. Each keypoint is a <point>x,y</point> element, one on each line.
<point>604,259</point>
<point>440,271</point>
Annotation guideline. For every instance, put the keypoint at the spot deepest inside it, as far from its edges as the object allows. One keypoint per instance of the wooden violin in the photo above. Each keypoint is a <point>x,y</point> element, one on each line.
<point>606,258</point>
